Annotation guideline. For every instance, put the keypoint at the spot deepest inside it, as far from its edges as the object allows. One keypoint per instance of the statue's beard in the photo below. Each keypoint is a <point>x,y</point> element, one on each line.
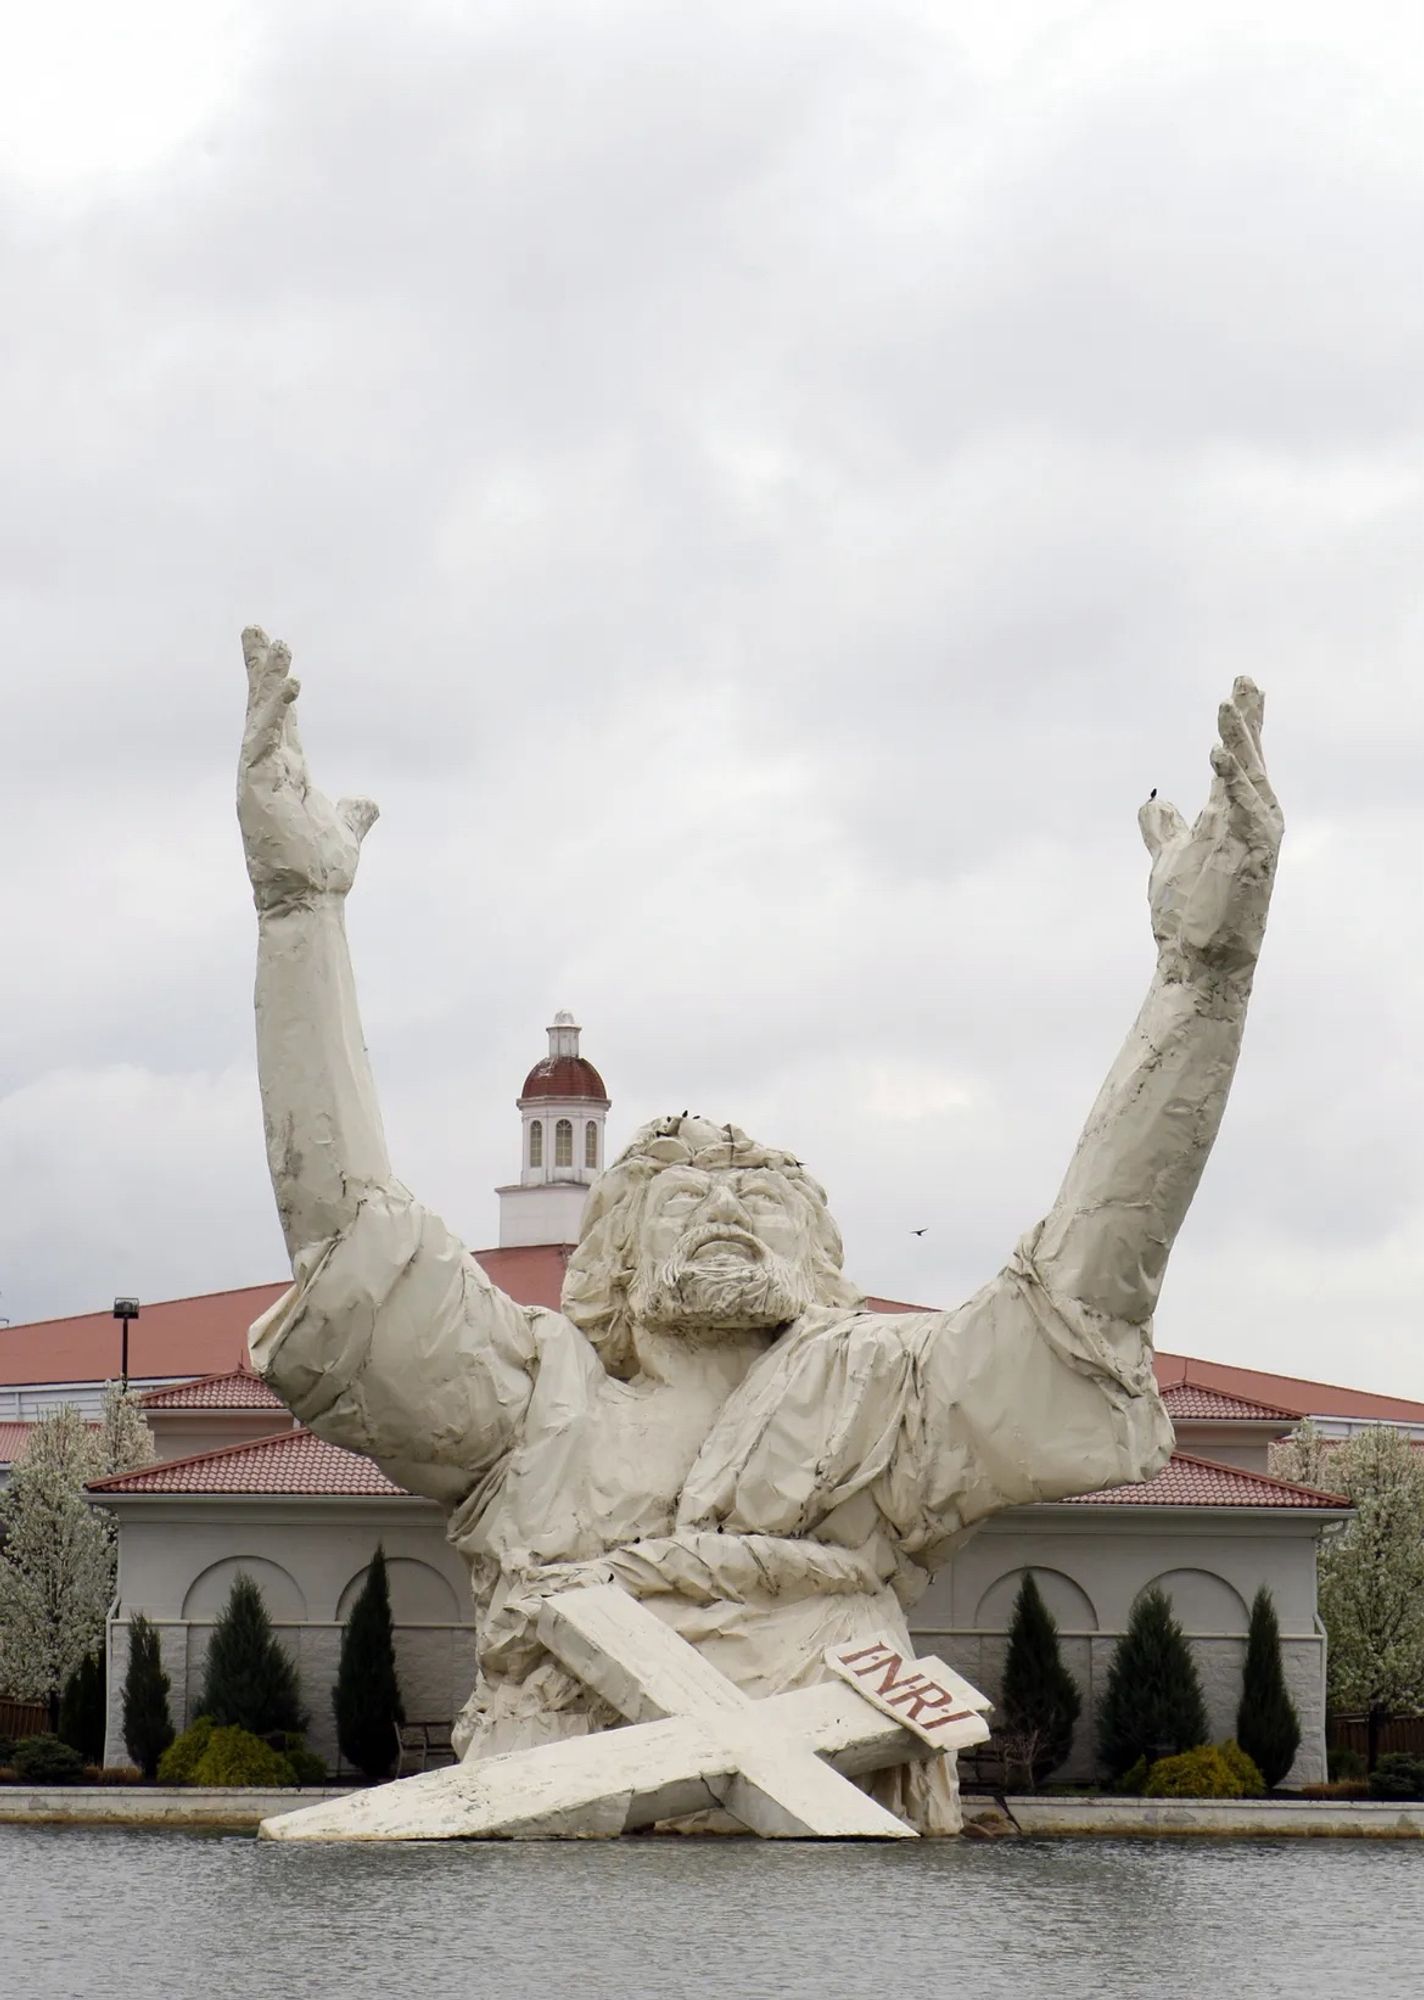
<point>698,1291</point>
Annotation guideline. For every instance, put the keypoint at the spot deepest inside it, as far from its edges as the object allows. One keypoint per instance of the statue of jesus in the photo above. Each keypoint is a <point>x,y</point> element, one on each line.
<point>714,1421</point>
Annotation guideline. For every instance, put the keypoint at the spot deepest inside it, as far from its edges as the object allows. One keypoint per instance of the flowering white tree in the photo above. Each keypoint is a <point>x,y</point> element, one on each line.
<point>57,1563</point>
<point>1372,1573</point>
<point>123,1442</point>
<point>1306,1457</point>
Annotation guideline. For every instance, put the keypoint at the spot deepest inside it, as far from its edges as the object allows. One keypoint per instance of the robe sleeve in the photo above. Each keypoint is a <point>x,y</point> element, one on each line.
<point>393,1342</point>
<point>919,1425</point>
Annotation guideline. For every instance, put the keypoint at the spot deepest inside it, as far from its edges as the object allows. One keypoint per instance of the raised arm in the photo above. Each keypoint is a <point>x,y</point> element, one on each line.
<point>392,1341</point>
<point>1106,1239</point>
<point>325,1146</point>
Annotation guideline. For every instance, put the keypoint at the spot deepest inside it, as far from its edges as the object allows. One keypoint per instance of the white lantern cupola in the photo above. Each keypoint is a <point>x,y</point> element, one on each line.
<point>563,1106</point>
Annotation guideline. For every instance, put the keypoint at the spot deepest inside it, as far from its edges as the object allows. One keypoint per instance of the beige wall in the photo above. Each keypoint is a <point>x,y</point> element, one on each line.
<point>1091,1564</point>
<point>178,1556</point>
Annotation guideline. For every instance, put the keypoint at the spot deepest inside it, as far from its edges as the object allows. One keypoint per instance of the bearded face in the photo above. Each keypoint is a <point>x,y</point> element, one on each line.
<point>720,1252</point>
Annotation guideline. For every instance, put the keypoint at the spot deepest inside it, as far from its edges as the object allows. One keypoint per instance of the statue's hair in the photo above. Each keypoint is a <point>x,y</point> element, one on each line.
<point>603,1266</point>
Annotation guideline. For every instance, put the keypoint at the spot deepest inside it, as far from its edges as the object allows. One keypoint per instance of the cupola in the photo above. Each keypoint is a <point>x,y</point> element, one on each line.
<point>562,1107</point>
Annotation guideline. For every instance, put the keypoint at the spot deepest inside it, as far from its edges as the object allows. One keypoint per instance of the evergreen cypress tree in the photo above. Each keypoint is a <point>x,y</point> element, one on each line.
<point>366,1699</point>
<point>1267,1725</point>
<point>148,1726</point>
<point>1152,1706</point>
<point>81,1709</point>
<point>1040,1701</point>
<point>248,1679</point>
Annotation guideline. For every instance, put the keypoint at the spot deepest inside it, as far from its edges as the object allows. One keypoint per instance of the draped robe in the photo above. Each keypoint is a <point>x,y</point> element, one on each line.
<point>856,1454</point>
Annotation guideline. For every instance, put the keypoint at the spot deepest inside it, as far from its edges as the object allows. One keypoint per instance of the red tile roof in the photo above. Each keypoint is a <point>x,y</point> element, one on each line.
<point>1188,1401</point>
<point>291,1462</point>
<point>13,1439</point>
<point>177,1337</point>
<point>1295,1393</point>
<point>239,1389</point>
<point>1199,1482</point>
<point>564,1076</point>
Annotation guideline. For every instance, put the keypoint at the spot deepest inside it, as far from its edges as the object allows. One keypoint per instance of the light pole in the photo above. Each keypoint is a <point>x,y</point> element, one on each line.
<point>124,1311</point>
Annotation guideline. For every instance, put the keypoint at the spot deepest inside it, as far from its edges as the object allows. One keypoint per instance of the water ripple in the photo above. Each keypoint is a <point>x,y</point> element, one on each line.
<point>131,1915</point>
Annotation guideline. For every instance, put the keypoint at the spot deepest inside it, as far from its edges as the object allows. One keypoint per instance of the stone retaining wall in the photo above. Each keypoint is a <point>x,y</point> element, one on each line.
<point>154,1805</point>
<point>1125,1818</point>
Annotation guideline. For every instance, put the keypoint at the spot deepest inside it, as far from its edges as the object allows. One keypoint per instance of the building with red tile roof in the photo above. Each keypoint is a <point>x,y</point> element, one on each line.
<point>14,1439</point>
<point>290,1461</point>
<point>1200,1482</point>
<point>1187,1402</point>
<point>1326,1402</point>
<point>237,1389</point>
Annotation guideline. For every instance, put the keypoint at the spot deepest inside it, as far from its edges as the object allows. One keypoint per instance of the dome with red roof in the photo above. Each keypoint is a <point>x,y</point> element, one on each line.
<point>564,1076</point>
<point>564,1073</point>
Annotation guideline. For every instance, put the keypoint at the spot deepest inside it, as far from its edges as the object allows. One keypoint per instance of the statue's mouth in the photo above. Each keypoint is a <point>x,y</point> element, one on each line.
<point>729,1246</point>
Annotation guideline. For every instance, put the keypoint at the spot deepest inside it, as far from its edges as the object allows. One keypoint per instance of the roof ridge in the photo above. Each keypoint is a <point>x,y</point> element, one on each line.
<point>195,1381</point>
<point>201,1457</point>
<point>1262,1478</point>
<point>1190,1361</point>
<point>154,1305</point>
<point>1272,1410</point>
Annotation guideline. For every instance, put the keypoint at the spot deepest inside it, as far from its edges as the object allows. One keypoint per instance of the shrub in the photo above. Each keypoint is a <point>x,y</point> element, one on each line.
<point>148,1726</point>
<point>236,1757</point>
<point>81,1709</point>
<point>248,1680</point>
<point>7,1749</point>
<point>1132,1781</point>
<point>180,1760</point>
<point>366,1700</point>
<point>1398,1775</point>
<point>1152,1705</point>
<point>1040,1700</point>
<point>1245,1767</point>
<point>307,1767</point>
<point>1341,1788</point>
<point>112,1774</point>
<point>1203,1773</point>
<point>1343,1762</point>
<point>46,1760</point>
<point>1267,1724</point>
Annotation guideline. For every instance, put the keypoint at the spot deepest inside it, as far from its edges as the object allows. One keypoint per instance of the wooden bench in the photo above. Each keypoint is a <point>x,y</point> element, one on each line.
<point>425,1746</point>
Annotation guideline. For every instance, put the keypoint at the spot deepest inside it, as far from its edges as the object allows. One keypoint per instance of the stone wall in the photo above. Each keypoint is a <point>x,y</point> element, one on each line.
<point>435,1664</point>
<point>979,1656</point>
<point>1091,1564</point>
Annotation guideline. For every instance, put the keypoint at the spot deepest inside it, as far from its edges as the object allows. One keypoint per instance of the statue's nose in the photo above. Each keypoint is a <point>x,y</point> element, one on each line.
<point>722,1205</point>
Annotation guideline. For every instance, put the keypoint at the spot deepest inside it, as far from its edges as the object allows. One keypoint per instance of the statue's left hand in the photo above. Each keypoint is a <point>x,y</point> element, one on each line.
<point>299,845</point>
<point>1211,882</point>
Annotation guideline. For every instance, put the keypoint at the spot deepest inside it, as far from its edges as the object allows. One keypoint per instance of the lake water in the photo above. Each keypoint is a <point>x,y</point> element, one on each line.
<point>144,1916</point>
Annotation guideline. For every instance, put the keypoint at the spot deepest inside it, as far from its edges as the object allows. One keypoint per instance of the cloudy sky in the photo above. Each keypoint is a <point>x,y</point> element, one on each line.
<point>759,492</point>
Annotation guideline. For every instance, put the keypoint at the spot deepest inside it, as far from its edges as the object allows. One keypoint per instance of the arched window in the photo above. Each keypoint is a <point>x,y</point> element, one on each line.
<point>563,1143</point>
<point>536,1142</point>
<point>590,1144</point>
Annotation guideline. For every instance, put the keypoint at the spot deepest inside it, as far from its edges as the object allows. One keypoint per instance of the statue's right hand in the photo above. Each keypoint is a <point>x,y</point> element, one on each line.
<point>299,845</point>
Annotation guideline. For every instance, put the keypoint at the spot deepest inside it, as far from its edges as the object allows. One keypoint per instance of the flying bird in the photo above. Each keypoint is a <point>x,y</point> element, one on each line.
<point>918,1232</point>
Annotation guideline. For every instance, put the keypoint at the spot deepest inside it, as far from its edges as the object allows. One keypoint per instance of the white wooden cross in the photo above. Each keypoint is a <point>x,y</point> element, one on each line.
<point>781,1766</point>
